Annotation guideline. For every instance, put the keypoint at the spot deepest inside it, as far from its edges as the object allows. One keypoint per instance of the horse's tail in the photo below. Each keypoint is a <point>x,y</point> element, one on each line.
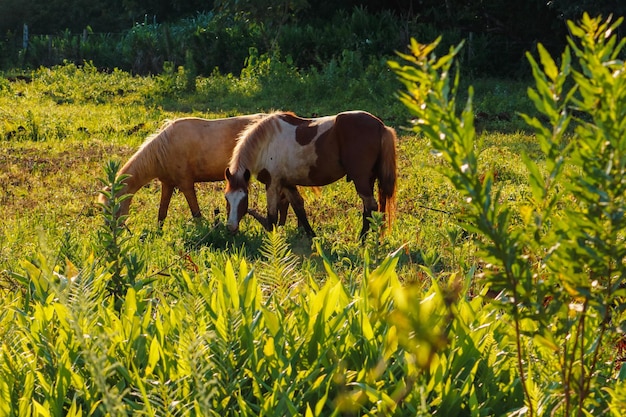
<point>387,175</point>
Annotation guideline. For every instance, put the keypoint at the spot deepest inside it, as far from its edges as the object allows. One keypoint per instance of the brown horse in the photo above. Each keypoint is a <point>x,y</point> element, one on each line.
<point>183,152</point>
<point>285,151</point>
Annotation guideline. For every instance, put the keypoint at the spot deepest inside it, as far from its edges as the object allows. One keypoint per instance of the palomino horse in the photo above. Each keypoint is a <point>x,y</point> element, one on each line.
<point>183,152</point>
<point>285,151</point>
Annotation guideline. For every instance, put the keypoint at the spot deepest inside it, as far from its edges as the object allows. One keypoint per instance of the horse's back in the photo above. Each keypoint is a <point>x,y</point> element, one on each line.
<point>359,124</point>
<point>208,133</point>
<point>311,151</point>
<point>359,135</point>
<point>199,149</point>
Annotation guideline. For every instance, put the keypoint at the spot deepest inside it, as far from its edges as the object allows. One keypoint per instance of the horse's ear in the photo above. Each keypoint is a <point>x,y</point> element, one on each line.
<point>246,175</point>
<point>227,174</point>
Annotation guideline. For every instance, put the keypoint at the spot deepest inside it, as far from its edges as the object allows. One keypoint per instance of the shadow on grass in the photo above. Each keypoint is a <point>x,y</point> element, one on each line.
<point>346,259</point>
<point>214,235</point>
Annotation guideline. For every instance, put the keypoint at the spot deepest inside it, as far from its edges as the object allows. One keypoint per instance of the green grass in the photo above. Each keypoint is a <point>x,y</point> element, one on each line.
<point>55,149</point>
<point>62,125</point>
<point>314,324</point>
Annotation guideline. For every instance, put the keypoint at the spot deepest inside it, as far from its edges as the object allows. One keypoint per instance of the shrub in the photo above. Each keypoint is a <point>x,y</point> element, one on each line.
<point>559,273</point>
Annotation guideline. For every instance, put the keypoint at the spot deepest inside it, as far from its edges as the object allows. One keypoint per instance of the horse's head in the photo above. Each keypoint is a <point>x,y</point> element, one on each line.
<point>102,197</point>
<point>236,197</point>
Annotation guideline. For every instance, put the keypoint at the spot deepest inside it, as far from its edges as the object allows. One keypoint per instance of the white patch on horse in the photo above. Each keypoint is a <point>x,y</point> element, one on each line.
<point>285,158</point>
<point>234,199</point>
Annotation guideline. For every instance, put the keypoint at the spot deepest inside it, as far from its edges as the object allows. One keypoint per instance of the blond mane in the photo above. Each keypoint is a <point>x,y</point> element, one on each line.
<point>252,139</point>
<point>151,152</point>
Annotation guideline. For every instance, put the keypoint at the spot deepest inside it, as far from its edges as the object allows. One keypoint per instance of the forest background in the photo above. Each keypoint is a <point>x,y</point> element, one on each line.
<point>141,36</point>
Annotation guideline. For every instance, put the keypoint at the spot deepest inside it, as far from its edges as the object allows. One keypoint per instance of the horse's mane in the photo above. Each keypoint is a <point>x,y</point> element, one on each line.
<point>151,152</point>
<point>252,139</point>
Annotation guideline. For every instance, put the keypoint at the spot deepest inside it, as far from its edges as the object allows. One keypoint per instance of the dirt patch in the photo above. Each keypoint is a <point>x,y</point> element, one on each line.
<point>32,173</point>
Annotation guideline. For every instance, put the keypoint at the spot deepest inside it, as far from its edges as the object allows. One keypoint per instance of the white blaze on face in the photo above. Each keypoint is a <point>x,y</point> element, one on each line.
<point>235,199</point>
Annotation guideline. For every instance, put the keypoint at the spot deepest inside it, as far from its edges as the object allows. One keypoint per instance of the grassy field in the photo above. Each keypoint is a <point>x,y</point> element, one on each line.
<point>60,127</point>
<point>191,320</point>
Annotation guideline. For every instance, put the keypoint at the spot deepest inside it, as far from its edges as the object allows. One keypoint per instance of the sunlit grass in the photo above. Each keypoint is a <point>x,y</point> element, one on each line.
<point>60,127</point>
<point>57,140</point>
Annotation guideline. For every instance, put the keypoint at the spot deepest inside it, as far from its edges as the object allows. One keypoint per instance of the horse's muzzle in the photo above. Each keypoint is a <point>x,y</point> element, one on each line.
<point>232,228</point>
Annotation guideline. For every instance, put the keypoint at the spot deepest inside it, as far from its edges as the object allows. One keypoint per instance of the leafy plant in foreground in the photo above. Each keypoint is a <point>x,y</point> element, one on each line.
<point>124,265</point>
<point>560,272</point>
<point>280,273</point>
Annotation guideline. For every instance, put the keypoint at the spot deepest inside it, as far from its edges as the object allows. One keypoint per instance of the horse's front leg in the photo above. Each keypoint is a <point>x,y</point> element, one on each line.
<point>283,208</point>
<point>258,217</point>
<point>189,191</point>
<point>273,194</point>
<point>166,195</point>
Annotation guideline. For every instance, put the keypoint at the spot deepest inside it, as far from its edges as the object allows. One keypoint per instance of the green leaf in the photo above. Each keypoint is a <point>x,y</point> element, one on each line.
<point>130,304</point>
<point>40,410</point>
<point>250,292</point>
<point>230,285</point>
<point>622,372</point>
<point>549,67</point>
<point>26,399</point>
<point>153,356</point>
<point>75,410</point>
<point>269,349</point>
<point>5,396</point>
<point>271,321</point>
<point>536,180</point>
<point>546,340</point>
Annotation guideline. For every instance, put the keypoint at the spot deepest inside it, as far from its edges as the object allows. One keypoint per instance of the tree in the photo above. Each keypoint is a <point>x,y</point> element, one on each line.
<point>269,15</point>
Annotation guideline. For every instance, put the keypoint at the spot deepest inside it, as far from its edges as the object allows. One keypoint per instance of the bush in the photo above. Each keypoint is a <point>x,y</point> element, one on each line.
<point>223,40</point>
<point>559,274</point>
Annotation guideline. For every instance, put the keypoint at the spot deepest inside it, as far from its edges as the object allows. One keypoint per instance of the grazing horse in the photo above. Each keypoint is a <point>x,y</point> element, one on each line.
<point>183,152</point>
<point>284,151</point>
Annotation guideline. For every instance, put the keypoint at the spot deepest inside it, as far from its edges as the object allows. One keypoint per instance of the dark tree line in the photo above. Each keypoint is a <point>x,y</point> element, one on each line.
<point>510,17</point>
<point>309,31</point>
<point>54,16</point>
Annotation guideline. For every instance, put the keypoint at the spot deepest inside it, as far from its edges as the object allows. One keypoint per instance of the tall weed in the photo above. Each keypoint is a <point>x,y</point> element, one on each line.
<point>557,271</point>
<point>215,343</point>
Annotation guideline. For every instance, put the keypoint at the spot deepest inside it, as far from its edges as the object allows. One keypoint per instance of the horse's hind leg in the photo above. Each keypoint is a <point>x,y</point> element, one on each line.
<point>297,202</point>
<point>369,206</point>
<point>166,195</point>
<point>366,192</point>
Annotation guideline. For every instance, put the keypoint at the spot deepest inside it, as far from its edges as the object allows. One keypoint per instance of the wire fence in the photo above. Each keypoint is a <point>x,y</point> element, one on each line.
<point>147,48</point>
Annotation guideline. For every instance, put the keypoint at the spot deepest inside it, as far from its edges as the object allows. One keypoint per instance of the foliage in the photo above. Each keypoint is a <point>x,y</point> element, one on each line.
<point>559,271</point>
<point>323,329</point>
<point>216,345</point>
<point>269,16</point>
<point>206,323</point>
<point>152,37</point>
<point>124,265</point>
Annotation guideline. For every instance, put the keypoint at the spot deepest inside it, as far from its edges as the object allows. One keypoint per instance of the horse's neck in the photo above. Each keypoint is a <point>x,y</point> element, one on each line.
<point>255,156</point>
<point>145,164</point>
<point>242,163</point>
<point>137,177</point>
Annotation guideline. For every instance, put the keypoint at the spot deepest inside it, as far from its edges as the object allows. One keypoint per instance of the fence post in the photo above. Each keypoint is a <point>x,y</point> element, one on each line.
<point>25,37</point>
<point>470,49</point>
<point>49,38</point>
